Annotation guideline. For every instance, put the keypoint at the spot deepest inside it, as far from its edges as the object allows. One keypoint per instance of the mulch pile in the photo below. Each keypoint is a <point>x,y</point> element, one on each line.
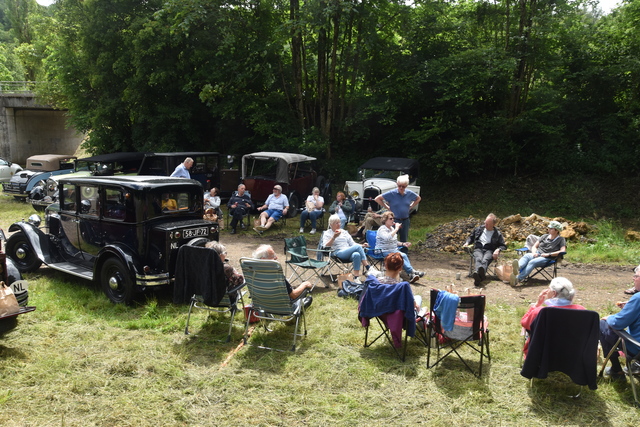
<point>451,236</point>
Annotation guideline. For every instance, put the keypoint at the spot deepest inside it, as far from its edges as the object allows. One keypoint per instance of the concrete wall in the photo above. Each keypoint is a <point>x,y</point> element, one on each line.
<point>27,128</point>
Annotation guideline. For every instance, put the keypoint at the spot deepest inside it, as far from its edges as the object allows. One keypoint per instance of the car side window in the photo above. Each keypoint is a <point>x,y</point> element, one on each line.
<point>69,199</point>
<point>115,204</point>
<point>89,204</point>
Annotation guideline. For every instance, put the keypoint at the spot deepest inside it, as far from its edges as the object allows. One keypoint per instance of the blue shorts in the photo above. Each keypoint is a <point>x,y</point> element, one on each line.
<point>274,213</point>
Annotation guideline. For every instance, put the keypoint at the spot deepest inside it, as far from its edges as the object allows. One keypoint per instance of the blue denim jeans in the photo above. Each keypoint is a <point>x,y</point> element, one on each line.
<point>355,254</point>
<point>312,216</point>
<point>403,233</point>
<point>527,263</point>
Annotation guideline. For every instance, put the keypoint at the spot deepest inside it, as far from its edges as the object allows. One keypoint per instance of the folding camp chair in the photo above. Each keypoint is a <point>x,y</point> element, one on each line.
<point>456,322</point>
<point>491,268</point>
<point>298,264</point>
<point>548,271</point>
<point>333,261</point>
<point>269,298</point>
<point>564,340</point>
<point>246,216</point>
<point>375,256</point>
<point>623,339</point>
<point>393,308</point>
<point>228,304</point>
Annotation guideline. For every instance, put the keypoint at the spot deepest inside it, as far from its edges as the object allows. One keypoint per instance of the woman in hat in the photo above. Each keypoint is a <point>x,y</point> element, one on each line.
<point>546,249</point>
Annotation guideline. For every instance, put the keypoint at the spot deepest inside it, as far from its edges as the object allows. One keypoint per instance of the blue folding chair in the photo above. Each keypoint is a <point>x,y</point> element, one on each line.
<point>542,271</point>
<point>375,256</point>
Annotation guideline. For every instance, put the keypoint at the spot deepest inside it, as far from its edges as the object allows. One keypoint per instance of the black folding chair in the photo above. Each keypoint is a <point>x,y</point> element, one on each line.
<point>623,339</point>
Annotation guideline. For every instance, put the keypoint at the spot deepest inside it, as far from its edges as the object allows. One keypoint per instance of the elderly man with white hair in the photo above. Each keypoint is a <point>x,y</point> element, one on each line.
<point>559,294</point>
<point>400,201</point>
<point>275,207</point>
<point>182,170</point>
<point>548,247</point>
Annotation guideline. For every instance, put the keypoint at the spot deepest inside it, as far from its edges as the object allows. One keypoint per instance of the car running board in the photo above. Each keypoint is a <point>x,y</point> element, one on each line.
<point>74,269</point>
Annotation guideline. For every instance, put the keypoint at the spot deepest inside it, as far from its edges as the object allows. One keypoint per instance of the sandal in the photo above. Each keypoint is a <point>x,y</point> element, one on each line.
<point>631,291</point>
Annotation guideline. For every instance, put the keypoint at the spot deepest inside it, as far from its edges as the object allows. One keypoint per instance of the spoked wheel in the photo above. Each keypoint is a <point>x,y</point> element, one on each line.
<point>22,254</point>
<point>116,281</point>
<point>294,204</point>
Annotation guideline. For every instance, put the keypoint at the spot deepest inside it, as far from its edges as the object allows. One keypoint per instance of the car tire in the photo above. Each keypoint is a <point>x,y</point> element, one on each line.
<point>21,253</point>
<point>116,281</point>
<point>294,205</point>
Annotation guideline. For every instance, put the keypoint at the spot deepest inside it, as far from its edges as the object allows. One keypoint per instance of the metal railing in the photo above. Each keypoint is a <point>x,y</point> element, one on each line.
<point>19,87</point>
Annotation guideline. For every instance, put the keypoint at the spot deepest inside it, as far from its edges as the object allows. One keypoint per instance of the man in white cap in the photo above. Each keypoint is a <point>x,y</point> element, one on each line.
<point>548,247</point>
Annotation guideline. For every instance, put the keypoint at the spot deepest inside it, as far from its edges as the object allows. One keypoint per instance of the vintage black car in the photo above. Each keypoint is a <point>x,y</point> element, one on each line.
<point>123,232</point>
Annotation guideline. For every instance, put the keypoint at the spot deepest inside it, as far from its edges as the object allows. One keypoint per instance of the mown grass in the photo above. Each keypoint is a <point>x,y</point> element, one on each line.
<point>82,361</point>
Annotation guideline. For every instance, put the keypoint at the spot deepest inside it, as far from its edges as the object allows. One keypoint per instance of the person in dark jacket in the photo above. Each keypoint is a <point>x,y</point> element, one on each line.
<point>239,204</point>
<point>487,242</point>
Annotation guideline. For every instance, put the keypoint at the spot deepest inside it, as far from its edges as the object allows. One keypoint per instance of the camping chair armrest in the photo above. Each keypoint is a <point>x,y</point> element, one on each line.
<point>522,251</point>
<point>237,287</point>
<point>625,336</point>
<point>298,255</point>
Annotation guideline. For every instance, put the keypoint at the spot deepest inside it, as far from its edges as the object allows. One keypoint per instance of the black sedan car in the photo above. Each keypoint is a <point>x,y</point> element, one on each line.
<point>123,232</point>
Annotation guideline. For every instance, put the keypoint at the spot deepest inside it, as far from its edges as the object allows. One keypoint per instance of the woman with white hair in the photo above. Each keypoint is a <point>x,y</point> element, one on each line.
<point>344,247</point>
<point>559,294</point>
<point>313,210</point>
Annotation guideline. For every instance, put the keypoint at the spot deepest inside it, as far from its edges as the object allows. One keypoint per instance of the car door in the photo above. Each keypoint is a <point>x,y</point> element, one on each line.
<point>88,219</point>
<point>69,231</point>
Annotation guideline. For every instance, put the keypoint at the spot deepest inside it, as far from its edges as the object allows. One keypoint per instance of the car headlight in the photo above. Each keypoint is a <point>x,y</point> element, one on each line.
<point>355,194</point>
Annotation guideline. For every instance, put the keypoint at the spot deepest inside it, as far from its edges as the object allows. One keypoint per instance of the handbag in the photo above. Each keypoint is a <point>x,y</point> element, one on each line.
<point>8,302</point>
<point>504,272</point>
<point>310,206</point>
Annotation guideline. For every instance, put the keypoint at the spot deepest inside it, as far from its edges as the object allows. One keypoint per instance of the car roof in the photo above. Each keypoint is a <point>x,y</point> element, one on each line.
<point>390,163</point>
<point>183,154</point>
<point>114,157</point>
<point>137,182</point>
<point>49,157</point>
<point>287,157</point>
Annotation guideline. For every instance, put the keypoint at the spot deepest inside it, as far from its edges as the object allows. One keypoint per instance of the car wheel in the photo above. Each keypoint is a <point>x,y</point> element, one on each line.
<point>116,281</point>
<point>22,254</point>
<point>294,205</point>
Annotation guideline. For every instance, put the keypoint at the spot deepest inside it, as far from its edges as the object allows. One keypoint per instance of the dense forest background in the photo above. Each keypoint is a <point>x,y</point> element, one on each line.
<point>470,88</point>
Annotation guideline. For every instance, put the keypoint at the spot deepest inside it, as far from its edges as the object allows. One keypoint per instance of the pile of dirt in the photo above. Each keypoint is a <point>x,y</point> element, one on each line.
<point>451,236</point>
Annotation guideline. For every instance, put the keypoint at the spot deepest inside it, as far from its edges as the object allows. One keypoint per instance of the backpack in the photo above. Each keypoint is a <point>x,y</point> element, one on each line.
<point>351,289</point>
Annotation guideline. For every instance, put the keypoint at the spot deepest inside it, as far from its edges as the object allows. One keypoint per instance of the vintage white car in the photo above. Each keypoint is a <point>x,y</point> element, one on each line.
<point>7,169</point>
<point>377,176</point>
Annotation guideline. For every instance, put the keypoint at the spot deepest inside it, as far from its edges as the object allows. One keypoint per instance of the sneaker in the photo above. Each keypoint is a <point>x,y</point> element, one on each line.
<point>415,278</point>
<point>301,229</point>
<point>515,266</point>
<point>418,273</point>
<point>615,376</point>
<point>635,368</point>
<point>513,279</point>
<point>307,301</point>
<point>357,280</point>
<point>476,279</point>
<point>313,231</point>
<point>242,225</point>
<point>233,231</point>
<point>257,230</point>
<point>482,273</point>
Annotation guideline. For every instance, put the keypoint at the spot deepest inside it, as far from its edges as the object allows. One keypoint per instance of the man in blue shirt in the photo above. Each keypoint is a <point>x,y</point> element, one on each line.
<point>182,170</point>
<point>276,205</point>
<point>400,202</point>
<point>629,319</point>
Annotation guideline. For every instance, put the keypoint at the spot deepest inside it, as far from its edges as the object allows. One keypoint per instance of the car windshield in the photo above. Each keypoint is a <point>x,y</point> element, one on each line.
<point>377,173</point>
<point>165,201</point>
<point>263,168</point>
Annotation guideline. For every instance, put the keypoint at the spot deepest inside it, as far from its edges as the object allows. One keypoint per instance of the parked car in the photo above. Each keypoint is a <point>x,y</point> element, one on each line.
<point>8,169</point>
<point>294,172</point>
<point>43,194</point>
<point>38,169</point>
<point>377,176</point>
<point>11,276</point>
<point>211,169</point>
<point>123,232</point>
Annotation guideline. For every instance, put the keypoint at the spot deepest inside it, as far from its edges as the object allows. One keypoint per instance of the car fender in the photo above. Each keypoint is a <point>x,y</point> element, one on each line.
<point>37,239</point>
<point>119,251</point>
<point>36,178</point>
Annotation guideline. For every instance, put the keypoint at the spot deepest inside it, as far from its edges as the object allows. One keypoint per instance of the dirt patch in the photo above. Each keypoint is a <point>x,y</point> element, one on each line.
<point>597,286</point>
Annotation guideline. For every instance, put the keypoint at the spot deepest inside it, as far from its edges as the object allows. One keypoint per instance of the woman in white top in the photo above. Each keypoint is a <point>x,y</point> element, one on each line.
<point>313,210</point>
<point>387,242</point>
<point>344,247</point>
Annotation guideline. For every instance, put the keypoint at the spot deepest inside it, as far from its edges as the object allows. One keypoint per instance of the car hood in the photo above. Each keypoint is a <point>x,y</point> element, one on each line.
<point>23,175</point>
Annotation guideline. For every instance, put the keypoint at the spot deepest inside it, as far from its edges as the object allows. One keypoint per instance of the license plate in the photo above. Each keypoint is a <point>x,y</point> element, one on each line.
<point>195,232</point>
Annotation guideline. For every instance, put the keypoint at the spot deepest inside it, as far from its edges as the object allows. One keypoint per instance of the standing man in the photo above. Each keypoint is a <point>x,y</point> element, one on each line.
<point>182,170</point>
<point>487,242</point>
<point>400,202</point>
<point>239,204</point>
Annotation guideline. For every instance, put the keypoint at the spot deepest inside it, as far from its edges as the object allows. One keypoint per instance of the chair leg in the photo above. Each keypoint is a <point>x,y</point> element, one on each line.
<point>186,328</point>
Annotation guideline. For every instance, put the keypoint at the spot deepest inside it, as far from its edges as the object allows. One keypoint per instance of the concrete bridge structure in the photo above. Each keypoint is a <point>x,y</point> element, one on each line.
<point>28,128</point>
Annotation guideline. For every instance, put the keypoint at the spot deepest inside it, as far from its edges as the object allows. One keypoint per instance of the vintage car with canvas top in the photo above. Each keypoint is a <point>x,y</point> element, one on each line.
<point>38,169</point>
<point>294,172</point>
<point>123,232</point>
<point>377,176</point>
<point>43,194</point>
<point>8,169</point>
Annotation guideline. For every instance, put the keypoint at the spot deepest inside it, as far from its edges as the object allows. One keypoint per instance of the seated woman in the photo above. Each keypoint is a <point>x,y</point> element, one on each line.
<point>387,242</point>
<point>344,247</point>
<point>233,277</point>
<point>342,208</point>
<point>547,248</point>
<point>560,294</point>
<point>212,201</point>
<point>313,210</point>
<point>393,264</point>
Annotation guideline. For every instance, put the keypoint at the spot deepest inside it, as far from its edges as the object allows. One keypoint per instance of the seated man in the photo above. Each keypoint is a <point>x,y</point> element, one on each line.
<point>239,205</point>
<point>169,204</point>
<point>267,252</point>
<point>627,319</point>
<point>372,220</point>
<point>276,205</point>
<point>487,242</point>
<point>547,248</point>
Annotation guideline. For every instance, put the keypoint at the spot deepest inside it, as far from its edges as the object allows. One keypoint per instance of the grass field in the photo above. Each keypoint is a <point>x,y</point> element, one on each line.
<point>82,361</point>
